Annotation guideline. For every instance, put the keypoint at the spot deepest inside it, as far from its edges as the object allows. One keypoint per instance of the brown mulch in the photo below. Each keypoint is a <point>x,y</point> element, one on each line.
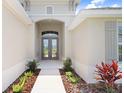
<point>69,87</point>
<point>83,87</point>
<point>28,84</point>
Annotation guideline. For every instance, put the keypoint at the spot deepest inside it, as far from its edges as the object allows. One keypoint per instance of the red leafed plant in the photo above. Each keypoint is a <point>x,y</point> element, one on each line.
<point>108,73</point>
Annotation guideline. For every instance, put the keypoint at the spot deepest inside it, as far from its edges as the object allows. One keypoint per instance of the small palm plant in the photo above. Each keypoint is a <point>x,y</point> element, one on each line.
<point>67,64</point>
<point>108,73</point>
<point>32,65</point>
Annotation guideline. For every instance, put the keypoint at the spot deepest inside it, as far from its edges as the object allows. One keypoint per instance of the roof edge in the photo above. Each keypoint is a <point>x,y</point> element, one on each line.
<point>89,13</point>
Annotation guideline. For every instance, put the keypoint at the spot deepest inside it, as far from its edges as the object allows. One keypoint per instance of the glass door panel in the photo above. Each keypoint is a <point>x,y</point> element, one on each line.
<point>54,48</point>
<point>49,48</point>
<point>45,48</point>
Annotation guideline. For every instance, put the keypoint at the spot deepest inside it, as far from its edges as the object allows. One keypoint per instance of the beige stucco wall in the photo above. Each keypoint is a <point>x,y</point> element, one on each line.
<point>16,47</point>
<point>88,46</point>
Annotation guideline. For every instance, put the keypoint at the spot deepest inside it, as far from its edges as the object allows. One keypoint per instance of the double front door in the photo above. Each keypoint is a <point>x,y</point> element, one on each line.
<point>49,48</point>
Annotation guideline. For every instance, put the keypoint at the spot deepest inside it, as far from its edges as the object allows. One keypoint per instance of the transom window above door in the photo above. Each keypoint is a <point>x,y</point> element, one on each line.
<point>49,34</point>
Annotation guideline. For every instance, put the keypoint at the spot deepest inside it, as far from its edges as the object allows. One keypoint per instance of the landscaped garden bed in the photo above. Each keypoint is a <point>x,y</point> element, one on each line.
<point>28,84</point>
<point>106,74</point>
<point>83,87</point>
<point>24,83</point>
<point>69,86</point>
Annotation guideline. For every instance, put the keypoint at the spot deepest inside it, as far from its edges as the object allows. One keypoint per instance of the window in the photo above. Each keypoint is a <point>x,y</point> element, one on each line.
<point>49,10</point>
<point>119,43</point>
<point>50,34</point>
<point>110,41</point>
<point>113,41</point>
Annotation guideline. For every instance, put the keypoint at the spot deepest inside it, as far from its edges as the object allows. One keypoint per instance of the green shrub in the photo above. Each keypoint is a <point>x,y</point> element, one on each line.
<point>17,88</point>
<point>21,79</point>
<point>74,80</point>
<point>67,64</point>
<point>69,74</point>
<point>28,74</point>
<point>32,65</point>
<point>23,82</point>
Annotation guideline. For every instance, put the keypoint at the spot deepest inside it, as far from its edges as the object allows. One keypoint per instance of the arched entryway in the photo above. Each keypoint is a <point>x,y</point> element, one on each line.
<point>49,39</point>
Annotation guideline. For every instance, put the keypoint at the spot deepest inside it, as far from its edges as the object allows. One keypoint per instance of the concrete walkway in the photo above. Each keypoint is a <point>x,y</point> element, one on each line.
<point>50,64</point>
<point>49,81</point>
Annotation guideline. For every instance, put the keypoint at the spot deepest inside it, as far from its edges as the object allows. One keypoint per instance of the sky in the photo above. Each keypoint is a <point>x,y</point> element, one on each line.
<point>85,4</point>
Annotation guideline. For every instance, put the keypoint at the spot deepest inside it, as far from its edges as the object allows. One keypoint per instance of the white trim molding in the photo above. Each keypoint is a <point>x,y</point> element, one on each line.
<point>90,13</point>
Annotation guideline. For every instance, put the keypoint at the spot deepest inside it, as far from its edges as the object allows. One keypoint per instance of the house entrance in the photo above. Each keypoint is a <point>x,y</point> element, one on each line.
<point>50,45</point>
